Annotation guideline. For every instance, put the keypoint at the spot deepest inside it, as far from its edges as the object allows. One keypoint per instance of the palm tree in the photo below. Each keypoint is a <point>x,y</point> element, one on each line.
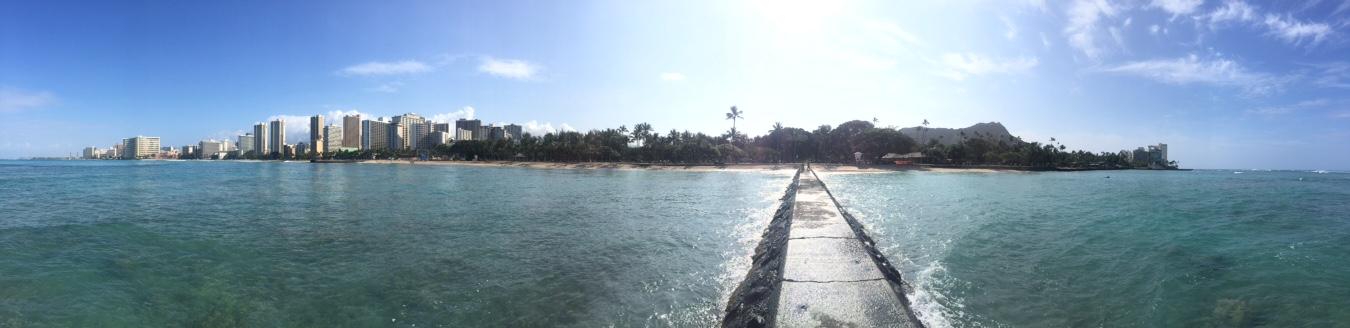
<point>924,131</point>
<point>733,115</point>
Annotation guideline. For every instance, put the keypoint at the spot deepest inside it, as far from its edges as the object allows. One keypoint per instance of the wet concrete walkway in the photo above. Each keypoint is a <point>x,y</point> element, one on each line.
<point>831,278</point>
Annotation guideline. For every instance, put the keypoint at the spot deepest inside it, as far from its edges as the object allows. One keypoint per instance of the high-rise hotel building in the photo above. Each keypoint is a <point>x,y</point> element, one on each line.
<point>316,137</point>
<point>374,135</point>
<point>351,131</point>
<point>140,147</point>
<point>276,136</point>
<point>262,146</point>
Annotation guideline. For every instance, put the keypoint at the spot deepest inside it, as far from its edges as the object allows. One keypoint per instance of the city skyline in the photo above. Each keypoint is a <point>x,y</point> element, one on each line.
<point>1227,84</point>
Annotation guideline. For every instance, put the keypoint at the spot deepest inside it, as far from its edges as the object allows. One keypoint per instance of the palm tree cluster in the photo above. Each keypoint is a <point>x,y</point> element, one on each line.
<point>643,144</point>
<point>1013,151</point>
<point>830,144</point>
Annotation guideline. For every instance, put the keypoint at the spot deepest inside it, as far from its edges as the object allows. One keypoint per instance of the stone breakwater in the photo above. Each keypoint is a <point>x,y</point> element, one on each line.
<point>815,266</point>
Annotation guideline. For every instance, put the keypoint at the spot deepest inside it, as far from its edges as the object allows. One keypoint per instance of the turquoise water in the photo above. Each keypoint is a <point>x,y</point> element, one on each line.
<point>1140,249</point>
<point>132,244</point>
<point>135,244</point>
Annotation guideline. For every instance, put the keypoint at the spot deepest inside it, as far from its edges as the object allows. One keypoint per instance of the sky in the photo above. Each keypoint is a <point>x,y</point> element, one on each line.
<point>1226,84</point>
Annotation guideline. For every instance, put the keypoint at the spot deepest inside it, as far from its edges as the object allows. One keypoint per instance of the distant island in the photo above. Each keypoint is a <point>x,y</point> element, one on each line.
<point>411,137</point>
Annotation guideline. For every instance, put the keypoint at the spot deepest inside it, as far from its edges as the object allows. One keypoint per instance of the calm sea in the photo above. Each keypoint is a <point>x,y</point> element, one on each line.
<point>137,244</point>
<point>295,244</point>
<point>1138,249</point>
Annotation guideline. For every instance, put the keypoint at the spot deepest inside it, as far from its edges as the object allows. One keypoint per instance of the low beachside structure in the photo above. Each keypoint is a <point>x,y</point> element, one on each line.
<point>902,159</point>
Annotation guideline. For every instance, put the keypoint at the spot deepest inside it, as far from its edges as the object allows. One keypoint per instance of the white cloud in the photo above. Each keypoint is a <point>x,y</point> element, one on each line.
<point>1296,32</point>
<point>386,68</point>
<point>14,100</point>
<point>959,66</point>
<point>1083,18</point>
<point>1334,75</point>
<point>1178,7</point>
<point>1117,36</point>
<point>1232,10</point>
<point>1193,70</point>
<point>1045,41</point>
<point>1010,29</point>
<point>508,68</point>
<point>536,128</point>
<point>297,127</point>
<point>672,76</point>
<point>336,116</point>
<point>1153,29</point>
<point>1285,27</point>
<point>466,113</point>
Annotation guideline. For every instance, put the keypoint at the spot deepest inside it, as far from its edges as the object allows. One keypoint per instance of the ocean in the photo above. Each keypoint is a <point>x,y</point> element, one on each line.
<point>1204,248</point>
<point>161,243</point>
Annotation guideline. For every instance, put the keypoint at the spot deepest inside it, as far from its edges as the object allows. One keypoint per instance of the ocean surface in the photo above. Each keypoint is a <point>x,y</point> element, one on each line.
<point>158,243</point>
<point>224,244</point>
<point>1139,249</point>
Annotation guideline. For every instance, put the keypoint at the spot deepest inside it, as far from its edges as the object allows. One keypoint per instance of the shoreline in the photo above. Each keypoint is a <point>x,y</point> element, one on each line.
<point>747,167</point>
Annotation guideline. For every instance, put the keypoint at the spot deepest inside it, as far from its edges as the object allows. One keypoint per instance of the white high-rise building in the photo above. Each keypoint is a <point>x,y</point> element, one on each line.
<point>262,146</point>
<point>213,149</point>
<point>333,138</point>
<point>411,129</point>
<point>92,152</point>
<point>246,143</point>
<point>140,147</point>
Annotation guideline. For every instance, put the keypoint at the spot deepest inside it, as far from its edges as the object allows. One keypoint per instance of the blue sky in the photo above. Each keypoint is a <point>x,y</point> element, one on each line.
<point>1227,84</point>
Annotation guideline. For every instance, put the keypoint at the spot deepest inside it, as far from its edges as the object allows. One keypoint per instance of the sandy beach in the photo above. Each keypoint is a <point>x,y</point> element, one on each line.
<point>830,168</point>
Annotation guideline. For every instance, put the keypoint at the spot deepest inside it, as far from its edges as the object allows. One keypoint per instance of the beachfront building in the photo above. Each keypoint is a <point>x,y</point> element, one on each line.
<point>276,137</point>
<point>213,149</point>
<point>245,143</point>
<point>316,136</point>
<point>411,130</point>
<point>332,137</point>
<point>351,131</point>
<point>1153,156</point>
<point>188,151</point>
<point>438,138</point>
<point>495,133</point>
<point>140,147</point>
<point>473,126</point>
<point>261,145</point>
<point>514,132</point>
<point>462,134</point>
<point>91,152</point>
<point>419,135</point>
<point>374,135</point>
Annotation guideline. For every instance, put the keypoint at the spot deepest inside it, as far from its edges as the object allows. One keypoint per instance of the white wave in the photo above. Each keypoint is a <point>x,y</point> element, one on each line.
<point>927,304</point>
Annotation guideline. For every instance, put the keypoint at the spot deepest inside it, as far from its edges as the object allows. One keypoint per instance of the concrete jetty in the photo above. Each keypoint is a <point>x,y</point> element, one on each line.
<point>816,267</point>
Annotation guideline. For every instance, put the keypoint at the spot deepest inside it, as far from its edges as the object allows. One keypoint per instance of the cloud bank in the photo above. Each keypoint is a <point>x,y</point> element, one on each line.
<point>14,99</point>
<point>508,68</point>
<point>375,68</point>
